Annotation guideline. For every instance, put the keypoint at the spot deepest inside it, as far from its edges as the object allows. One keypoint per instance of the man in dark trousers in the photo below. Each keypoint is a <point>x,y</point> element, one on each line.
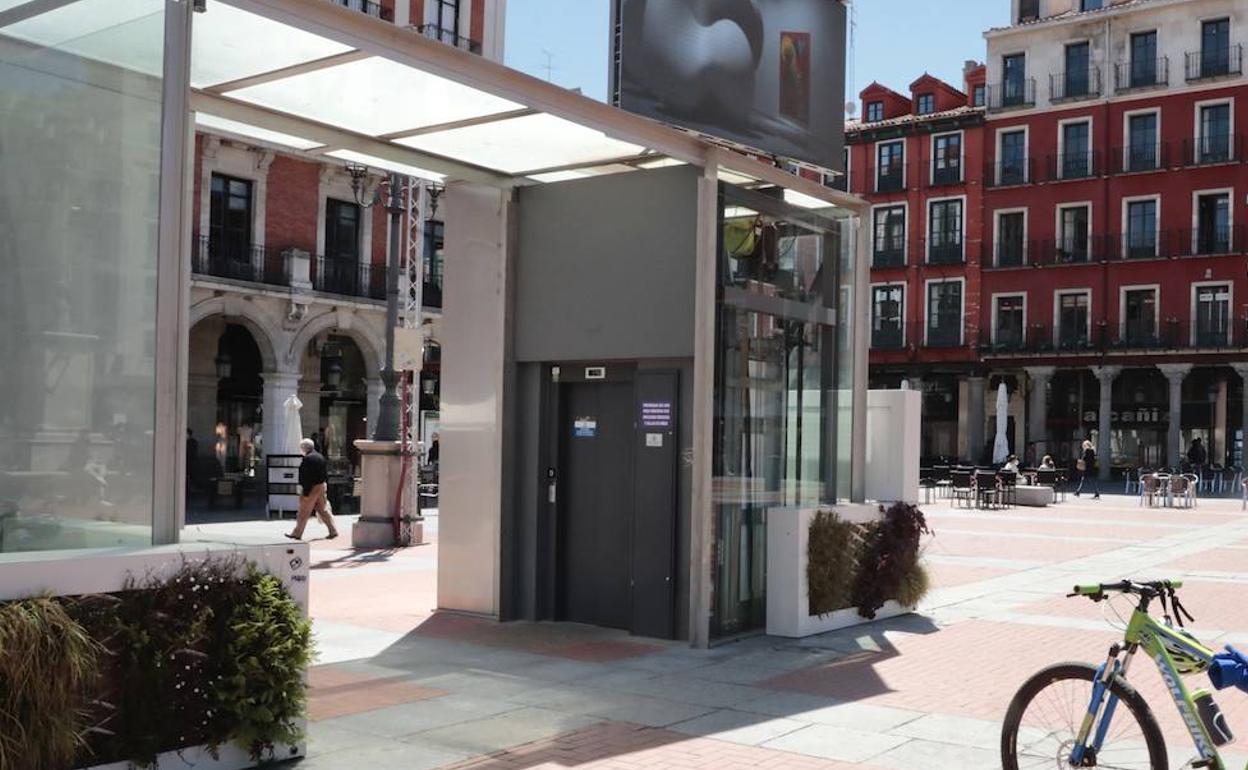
<point>313,487</point>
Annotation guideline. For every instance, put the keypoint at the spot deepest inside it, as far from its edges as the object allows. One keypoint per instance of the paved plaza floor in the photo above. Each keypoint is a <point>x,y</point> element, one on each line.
<point>399,687</point>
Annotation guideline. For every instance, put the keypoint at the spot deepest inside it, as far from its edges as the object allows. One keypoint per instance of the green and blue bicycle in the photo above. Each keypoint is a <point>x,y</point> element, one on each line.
<point>1082,715</point>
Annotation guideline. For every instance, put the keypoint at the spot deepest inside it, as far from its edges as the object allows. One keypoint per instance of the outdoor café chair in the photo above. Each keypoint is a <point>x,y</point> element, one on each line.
<point>962,487</point>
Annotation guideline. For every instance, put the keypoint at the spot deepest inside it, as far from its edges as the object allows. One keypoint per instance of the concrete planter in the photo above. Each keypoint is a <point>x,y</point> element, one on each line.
<point>788,594</point>
<point>69,573</point>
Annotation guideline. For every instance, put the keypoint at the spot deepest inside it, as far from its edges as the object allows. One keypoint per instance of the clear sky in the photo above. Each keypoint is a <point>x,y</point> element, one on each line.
<point>895,41</point>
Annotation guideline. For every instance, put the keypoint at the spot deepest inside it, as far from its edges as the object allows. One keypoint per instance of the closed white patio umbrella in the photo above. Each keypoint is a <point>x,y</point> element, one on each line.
<point>1001,445</point>
<point>288,442</point>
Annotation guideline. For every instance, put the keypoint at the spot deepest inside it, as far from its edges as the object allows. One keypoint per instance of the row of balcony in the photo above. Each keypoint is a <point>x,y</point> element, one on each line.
<point>1171,243</point>
<point>1073,85</point>
<point>292,268</point>
<point>1100,337</point>
<point>1059,167</point>
<point>431,31</point>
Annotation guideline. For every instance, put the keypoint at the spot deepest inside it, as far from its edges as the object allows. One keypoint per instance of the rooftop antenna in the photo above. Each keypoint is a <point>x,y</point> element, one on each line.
<point>549,66</point>
<point>853,50</point>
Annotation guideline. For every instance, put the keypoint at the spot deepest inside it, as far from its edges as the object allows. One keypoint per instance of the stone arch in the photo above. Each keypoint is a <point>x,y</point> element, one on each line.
<point>351,325</point>
<point>246,315</point>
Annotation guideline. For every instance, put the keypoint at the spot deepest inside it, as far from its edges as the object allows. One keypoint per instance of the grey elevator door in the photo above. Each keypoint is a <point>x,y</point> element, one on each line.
<point>596,510</point>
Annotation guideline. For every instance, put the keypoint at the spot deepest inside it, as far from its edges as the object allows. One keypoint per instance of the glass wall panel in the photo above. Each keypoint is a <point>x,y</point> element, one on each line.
<point>780,385</point>
<point>80,119</point>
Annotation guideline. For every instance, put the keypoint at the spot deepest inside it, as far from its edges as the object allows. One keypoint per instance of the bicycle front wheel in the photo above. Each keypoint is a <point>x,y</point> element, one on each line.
<point>1045,715</point>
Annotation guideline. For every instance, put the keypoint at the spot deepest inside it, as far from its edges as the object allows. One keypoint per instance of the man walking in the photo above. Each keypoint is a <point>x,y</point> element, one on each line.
<point>313,487</point>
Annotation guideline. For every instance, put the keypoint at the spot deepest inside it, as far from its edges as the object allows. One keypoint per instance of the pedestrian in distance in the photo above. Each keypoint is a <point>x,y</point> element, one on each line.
<point>1196,455</point>
<point>313,490</point>
<point>1086,468</point>
<point>1047,463</point>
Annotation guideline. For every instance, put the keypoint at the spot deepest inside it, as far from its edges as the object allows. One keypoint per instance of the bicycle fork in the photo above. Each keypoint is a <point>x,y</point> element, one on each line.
<point>1105,673</point>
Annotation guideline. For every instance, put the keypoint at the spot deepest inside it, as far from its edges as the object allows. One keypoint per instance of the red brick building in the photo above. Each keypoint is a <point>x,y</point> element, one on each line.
<point>1105,278</point>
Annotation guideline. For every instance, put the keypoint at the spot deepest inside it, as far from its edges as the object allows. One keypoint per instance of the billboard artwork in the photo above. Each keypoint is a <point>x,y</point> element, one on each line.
<point>768,74</point>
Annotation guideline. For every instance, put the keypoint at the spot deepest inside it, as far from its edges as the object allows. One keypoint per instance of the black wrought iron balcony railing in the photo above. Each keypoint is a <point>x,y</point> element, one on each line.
<point>1073,165</point>
<point>943,334</point>
<point>945,252</point>
<point>1012,94</point>
<point>240,262</point>
<point>1216,240</point>
<point>1217,332</point>
<point>364,6</point>
<point>1011,253</point>
<point>1005,173</point>
<point>349,277</point>
<point>950,173</point>
<point>888,256</point>
<point>1143,73</point>
<point>450,37</point>
<point>1070,250</point>
<point>1206,150</point>
<point>1140,157</point>
<point>1075,84</point>
<point>889,179</point>
<point>1215,63</point>
<point>887,335</point>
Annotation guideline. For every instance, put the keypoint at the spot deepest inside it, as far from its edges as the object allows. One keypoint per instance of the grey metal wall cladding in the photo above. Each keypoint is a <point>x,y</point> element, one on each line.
<point>605,267</point>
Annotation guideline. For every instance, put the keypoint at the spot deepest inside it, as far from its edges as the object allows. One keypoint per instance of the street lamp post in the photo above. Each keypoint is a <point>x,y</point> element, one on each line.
<point>387,426</point>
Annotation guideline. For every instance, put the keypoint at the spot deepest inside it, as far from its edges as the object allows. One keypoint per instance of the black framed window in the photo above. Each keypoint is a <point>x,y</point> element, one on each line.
<point>342,230</point>
<point>1072,319</point>
<point>1139,314</point>
<point>1213,315</point>
<point>944,313</point>
<point>446,15</point>
<point>944,233</point>
<point>1011,251</point>
<point>890,167</point>
<point>1213,223</point>
<point>1009,322</point>
<point>887,316</point>
<point>1076,156</point>
<point>1013,160</point>
<point>1078,63</point>
<point>947,159</point>
<point>1143,147</point>
<point>1014,69</point>
<point>230,219</point>
<point>875,111</point>
<point>926,104</point>
<point>979,95</point>
<point>1091,5</point>
<point>1142,229</point>
<point>1143,59</point>
<point>890,237</point>
<point>1072,234</point>
<point>1214,144</point>
<point>1215,47</point>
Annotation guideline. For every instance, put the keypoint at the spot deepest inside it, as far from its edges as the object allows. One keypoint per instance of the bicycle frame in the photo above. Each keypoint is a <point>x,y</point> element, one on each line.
<point>1150,636</point>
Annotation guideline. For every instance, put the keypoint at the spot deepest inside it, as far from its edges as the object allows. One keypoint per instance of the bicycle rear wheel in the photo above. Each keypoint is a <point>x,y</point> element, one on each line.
<point>1046,712</point>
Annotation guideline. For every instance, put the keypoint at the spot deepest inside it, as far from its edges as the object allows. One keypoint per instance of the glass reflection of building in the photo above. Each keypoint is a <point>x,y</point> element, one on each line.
<point>782,373</point>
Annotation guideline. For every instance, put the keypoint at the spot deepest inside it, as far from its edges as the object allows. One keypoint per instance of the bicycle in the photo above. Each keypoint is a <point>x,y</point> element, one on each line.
<point>1086,698</point>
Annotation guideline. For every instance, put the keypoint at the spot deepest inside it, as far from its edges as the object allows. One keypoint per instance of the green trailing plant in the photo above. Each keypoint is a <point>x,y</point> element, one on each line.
<point>831,562</point>
<point>890,553</point>
<point>264,693</point>
<point>48,667</point>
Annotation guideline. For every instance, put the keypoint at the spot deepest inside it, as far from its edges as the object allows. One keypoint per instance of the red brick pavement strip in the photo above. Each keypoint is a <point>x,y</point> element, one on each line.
<point>1217,559</point>
<point>1079,510</point>
<point>1004,524</point>
<point>582,643</point>
<point>624,746</point>
<point>386,601</point>
<point>949,575</point>
<point>1223,606</point>
<point>335,692</point>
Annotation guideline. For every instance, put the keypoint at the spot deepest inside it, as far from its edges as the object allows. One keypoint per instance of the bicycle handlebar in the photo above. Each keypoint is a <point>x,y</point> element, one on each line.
<point>1097,591</point>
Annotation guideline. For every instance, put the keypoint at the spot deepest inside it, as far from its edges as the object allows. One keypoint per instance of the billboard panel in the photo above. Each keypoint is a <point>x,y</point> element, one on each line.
<point>768,74</point>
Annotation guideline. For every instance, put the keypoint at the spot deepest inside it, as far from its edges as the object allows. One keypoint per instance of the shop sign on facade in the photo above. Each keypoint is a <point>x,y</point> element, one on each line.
<point>1148,415</point>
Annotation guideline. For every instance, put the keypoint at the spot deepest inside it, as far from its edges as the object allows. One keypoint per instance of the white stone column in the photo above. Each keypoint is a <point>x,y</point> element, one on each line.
<point>1105,375</point>
<point>1038,378</point>
<point>975,418</point>
<point>375,388</point>
<point>1175,374</point>
<point>278,386</point>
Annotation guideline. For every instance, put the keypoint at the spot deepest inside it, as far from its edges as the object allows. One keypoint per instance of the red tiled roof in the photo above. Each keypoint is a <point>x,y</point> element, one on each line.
<point>858,125</point>
<point>1072,14</point>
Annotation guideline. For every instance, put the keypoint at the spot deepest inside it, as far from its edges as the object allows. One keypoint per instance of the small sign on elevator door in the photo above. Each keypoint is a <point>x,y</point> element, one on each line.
<point>654,439</point>
<point>585,427</point>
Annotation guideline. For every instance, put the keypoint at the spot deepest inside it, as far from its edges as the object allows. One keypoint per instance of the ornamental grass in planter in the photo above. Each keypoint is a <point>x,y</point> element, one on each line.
<point>864,565</point>
<point>211,655</point>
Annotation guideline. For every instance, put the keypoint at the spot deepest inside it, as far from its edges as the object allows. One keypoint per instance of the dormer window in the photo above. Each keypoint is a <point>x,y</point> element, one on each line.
<point>926,104</point>
<point>875,111</point>
<point>979,95</point>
